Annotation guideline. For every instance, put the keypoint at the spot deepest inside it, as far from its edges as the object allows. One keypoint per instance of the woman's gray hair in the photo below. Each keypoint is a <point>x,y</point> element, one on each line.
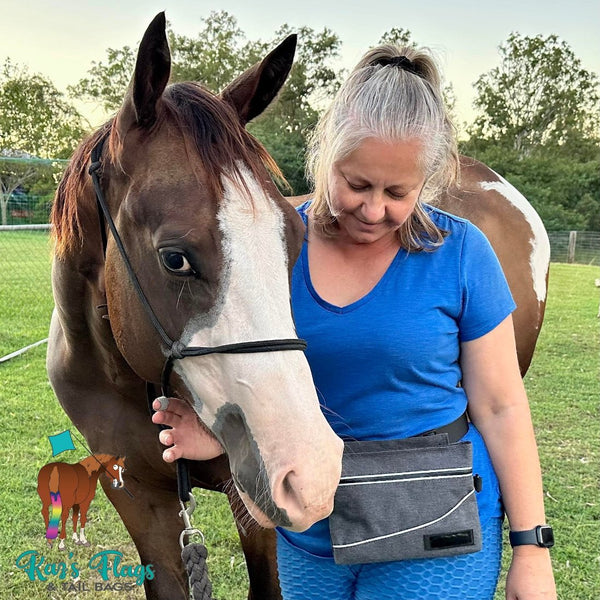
<point>384,99</point>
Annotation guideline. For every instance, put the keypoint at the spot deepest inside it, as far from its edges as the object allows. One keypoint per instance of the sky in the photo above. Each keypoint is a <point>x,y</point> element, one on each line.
<point>60,39</point>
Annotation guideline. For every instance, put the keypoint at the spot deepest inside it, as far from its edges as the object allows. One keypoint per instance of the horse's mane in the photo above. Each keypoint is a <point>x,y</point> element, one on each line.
<point>211,130</point>
<point>65,217</point>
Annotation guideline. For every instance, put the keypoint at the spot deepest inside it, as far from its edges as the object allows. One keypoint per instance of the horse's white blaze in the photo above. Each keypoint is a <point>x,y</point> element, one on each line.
<point>274,389</point>
<point>118,481</point>
<point>540,244</point>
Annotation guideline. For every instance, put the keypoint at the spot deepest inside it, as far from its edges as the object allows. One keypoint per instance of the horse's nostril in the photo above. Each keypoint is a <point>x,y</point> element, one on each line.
<point>288,488</point>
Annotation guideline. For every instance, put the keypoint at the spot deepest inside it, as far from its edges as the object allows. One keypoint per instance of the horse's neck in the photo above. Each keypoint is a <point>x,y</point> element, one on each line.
<point>80,314</point>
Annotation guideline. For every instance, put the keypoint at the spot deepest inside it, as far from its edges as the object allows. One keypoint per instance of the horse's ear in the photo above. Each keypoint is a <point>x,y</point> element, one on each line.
<point>253,90</point>
<point>151,75</point>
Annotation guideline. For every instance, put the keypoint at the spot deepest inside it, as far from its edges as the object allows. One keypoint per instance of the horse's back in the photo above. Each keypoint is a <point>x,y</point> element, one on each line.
<point>71,480</point>
<point>517,235</point>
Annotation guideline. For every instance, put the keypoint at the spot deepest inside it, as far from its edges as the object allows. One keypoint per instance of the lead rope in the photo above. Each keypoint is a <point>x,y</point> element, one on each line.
<point>194,555</point>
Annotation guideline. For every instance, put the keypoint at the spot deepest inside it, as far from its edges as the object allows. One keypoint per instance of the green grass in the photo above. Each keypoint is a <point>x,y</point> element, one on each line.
<point>563,391</point>
<point>25,289</point>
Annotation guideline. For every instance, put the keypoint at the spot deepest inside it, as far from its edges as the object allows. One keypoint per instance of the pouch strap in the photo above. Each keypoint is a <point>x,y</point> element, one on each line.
<point>455,430</point>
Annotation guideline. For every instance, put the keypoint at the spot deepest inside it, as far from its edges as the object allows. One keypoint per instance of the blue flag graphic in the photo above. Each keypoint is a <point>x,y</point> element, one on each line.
<point>61,442</point>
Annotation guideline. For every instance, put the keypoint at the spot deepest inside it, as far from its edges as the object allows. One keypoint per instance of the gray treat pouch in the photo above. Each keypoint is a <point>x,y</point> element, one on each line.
<point>402,499</point>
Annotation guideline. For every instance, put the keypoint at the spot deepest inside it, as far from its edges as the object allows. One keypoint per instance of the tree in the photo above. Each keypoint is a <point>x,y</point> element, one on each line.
<point>20,172</point>
<point>398,36</point>
<point>107,81</point>
<point>538,127</point>
<point>36,122</point>
<point>540,94</point>
<point>35,117</point>
<point>214,57</point>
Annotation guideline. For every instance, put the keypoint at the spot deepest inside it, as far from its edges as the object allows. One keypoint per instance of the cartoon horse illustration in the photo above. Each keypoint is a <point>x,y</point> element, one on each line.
<point>65,486</point>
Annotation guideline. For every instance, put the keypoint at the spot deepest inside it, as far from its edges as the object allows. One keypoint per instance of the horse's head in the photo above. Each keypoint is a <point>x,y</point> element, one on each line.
<point>212,242</point>
<point>114,468</point>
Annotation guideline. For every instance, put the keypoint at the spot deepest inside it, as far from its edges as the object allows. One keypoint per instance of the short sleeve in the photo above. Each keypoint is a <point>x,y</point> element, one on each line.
<point>486,297</point>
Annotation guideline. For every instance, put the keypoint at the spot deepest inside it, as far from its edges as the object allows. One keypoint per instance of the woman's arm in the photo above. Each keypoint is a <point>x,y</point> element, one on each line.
<point>499,409</point>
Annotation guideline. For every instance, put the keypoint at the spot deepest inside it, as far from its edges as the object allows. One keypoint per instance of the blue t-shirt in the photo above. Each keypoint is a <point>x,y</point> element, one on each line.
<point>387,366</point>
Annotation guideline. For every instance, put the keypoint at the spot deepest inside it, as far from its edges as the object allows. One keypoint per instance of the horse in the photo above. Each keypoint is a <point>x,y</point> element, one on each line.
<point>210,243</point>
<point>197,260</point>
<point>63,487</point>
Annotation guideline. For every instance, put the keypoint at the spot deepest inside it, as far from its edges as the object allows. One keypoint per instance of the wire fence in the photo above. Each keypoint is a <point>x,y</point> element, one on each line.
<point>581,247</point>
<point>26,294</point>
<point>25,209</point>
<point>25,288</point>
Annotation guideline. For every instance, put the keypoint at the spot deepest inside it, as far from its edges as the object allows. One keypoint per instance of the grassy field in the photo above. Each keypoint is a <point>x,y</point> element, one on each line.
<point>25,290</point>
<point>562,386</point>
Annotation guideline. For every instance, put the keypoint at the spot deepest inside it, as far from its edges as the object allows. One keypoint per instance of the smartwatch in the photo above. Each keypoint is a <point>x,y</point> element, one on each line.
<point>542,536</point>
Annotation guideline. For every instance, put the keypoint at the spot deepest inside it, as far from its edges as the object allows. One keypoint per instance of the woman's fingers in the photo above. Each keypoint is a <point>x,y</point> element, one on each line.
<point>172,405</point>
<point>172,454</point>
<point>165,437</point>
<point>187,436</point>
<point>169,411</point>
<point>161,403</point>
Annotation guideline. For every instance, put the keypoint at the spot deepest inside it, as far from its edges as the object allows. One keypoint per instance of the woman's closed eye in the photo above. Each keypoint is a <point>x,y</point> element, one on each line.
<point>395,194</point>
<point>358,187</point>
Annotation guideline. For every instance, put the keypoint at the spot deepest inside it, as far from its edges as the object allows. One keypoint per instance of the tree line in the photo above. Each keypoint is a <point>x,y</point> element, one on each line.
<point>537,117</point>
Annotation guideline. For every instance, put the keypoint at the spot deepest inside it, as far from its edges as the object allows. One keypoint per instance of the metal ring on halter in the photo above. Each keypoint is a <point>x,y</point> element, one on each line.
<point>185,514</point>
<point>189,533</point>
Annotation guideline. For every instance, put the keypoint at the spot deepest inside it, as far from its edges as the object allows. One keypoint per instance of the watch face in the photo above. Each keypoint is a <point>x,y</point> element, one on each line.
<point>546,536</point>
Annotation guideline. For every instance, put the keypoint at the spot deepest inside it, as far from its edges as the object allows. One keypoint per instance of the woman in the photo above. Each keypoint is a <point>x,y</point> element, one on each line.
<point>392,296</point>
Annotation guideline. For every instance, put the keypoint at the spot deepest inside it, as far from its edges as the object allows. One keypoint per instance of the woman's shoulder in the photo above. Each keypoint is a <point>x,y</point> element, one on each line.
<point>446,220</point>
<point>459,231</point>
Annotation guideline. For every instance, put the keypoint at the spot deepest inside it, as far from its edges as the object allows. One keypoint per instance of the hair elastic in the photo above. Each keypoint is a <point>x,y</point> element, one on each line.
<point>397,61</point>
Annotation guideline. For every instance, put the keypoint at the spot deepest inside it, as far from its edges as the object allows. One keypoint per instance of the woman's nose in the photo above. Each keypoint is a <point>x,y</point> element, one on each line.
<point>373,207</point>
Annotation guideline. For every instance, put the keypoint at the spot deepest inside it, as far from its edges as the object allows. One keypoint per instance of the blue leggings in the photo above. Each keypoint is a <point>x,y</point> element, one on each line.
<point>304,576</point>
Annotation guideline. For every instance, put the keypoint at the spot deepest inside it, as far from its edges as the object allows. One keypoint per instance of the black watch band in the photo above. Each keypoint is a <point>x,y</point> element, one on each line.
<point>542,536</point>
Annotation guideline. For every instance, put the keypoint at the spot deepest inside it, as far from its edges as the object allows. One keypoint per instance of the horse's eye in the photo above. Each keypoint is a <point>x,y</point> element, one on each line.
<point>176,261</point>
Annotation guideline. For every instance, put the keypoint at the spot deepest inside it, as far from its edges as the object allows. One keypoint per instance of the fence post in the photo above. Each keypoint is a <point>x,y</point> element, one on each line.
<point>572,245</point>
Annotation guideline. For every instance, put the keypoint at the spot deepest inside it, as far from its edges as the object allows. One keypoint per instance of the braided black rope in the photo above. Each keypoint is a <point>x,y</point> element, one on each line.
<point>194,559</point>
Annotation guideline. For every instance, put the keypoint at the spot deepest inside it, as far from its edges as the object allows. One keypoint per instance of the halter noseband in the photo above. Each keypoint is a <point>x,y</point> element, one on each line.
<point>176,349</point>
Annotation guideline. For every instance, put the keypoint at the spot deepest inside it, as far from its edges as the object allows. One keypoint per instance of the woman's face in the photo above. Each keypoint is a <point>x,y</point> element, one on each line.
<point>375,189</point>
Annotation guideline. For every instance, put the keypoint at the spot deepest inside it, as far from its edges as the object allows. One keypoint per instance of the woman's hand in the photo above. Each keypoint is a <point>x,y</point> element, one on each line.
<point>188,436</point>
<point>530,575</point>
